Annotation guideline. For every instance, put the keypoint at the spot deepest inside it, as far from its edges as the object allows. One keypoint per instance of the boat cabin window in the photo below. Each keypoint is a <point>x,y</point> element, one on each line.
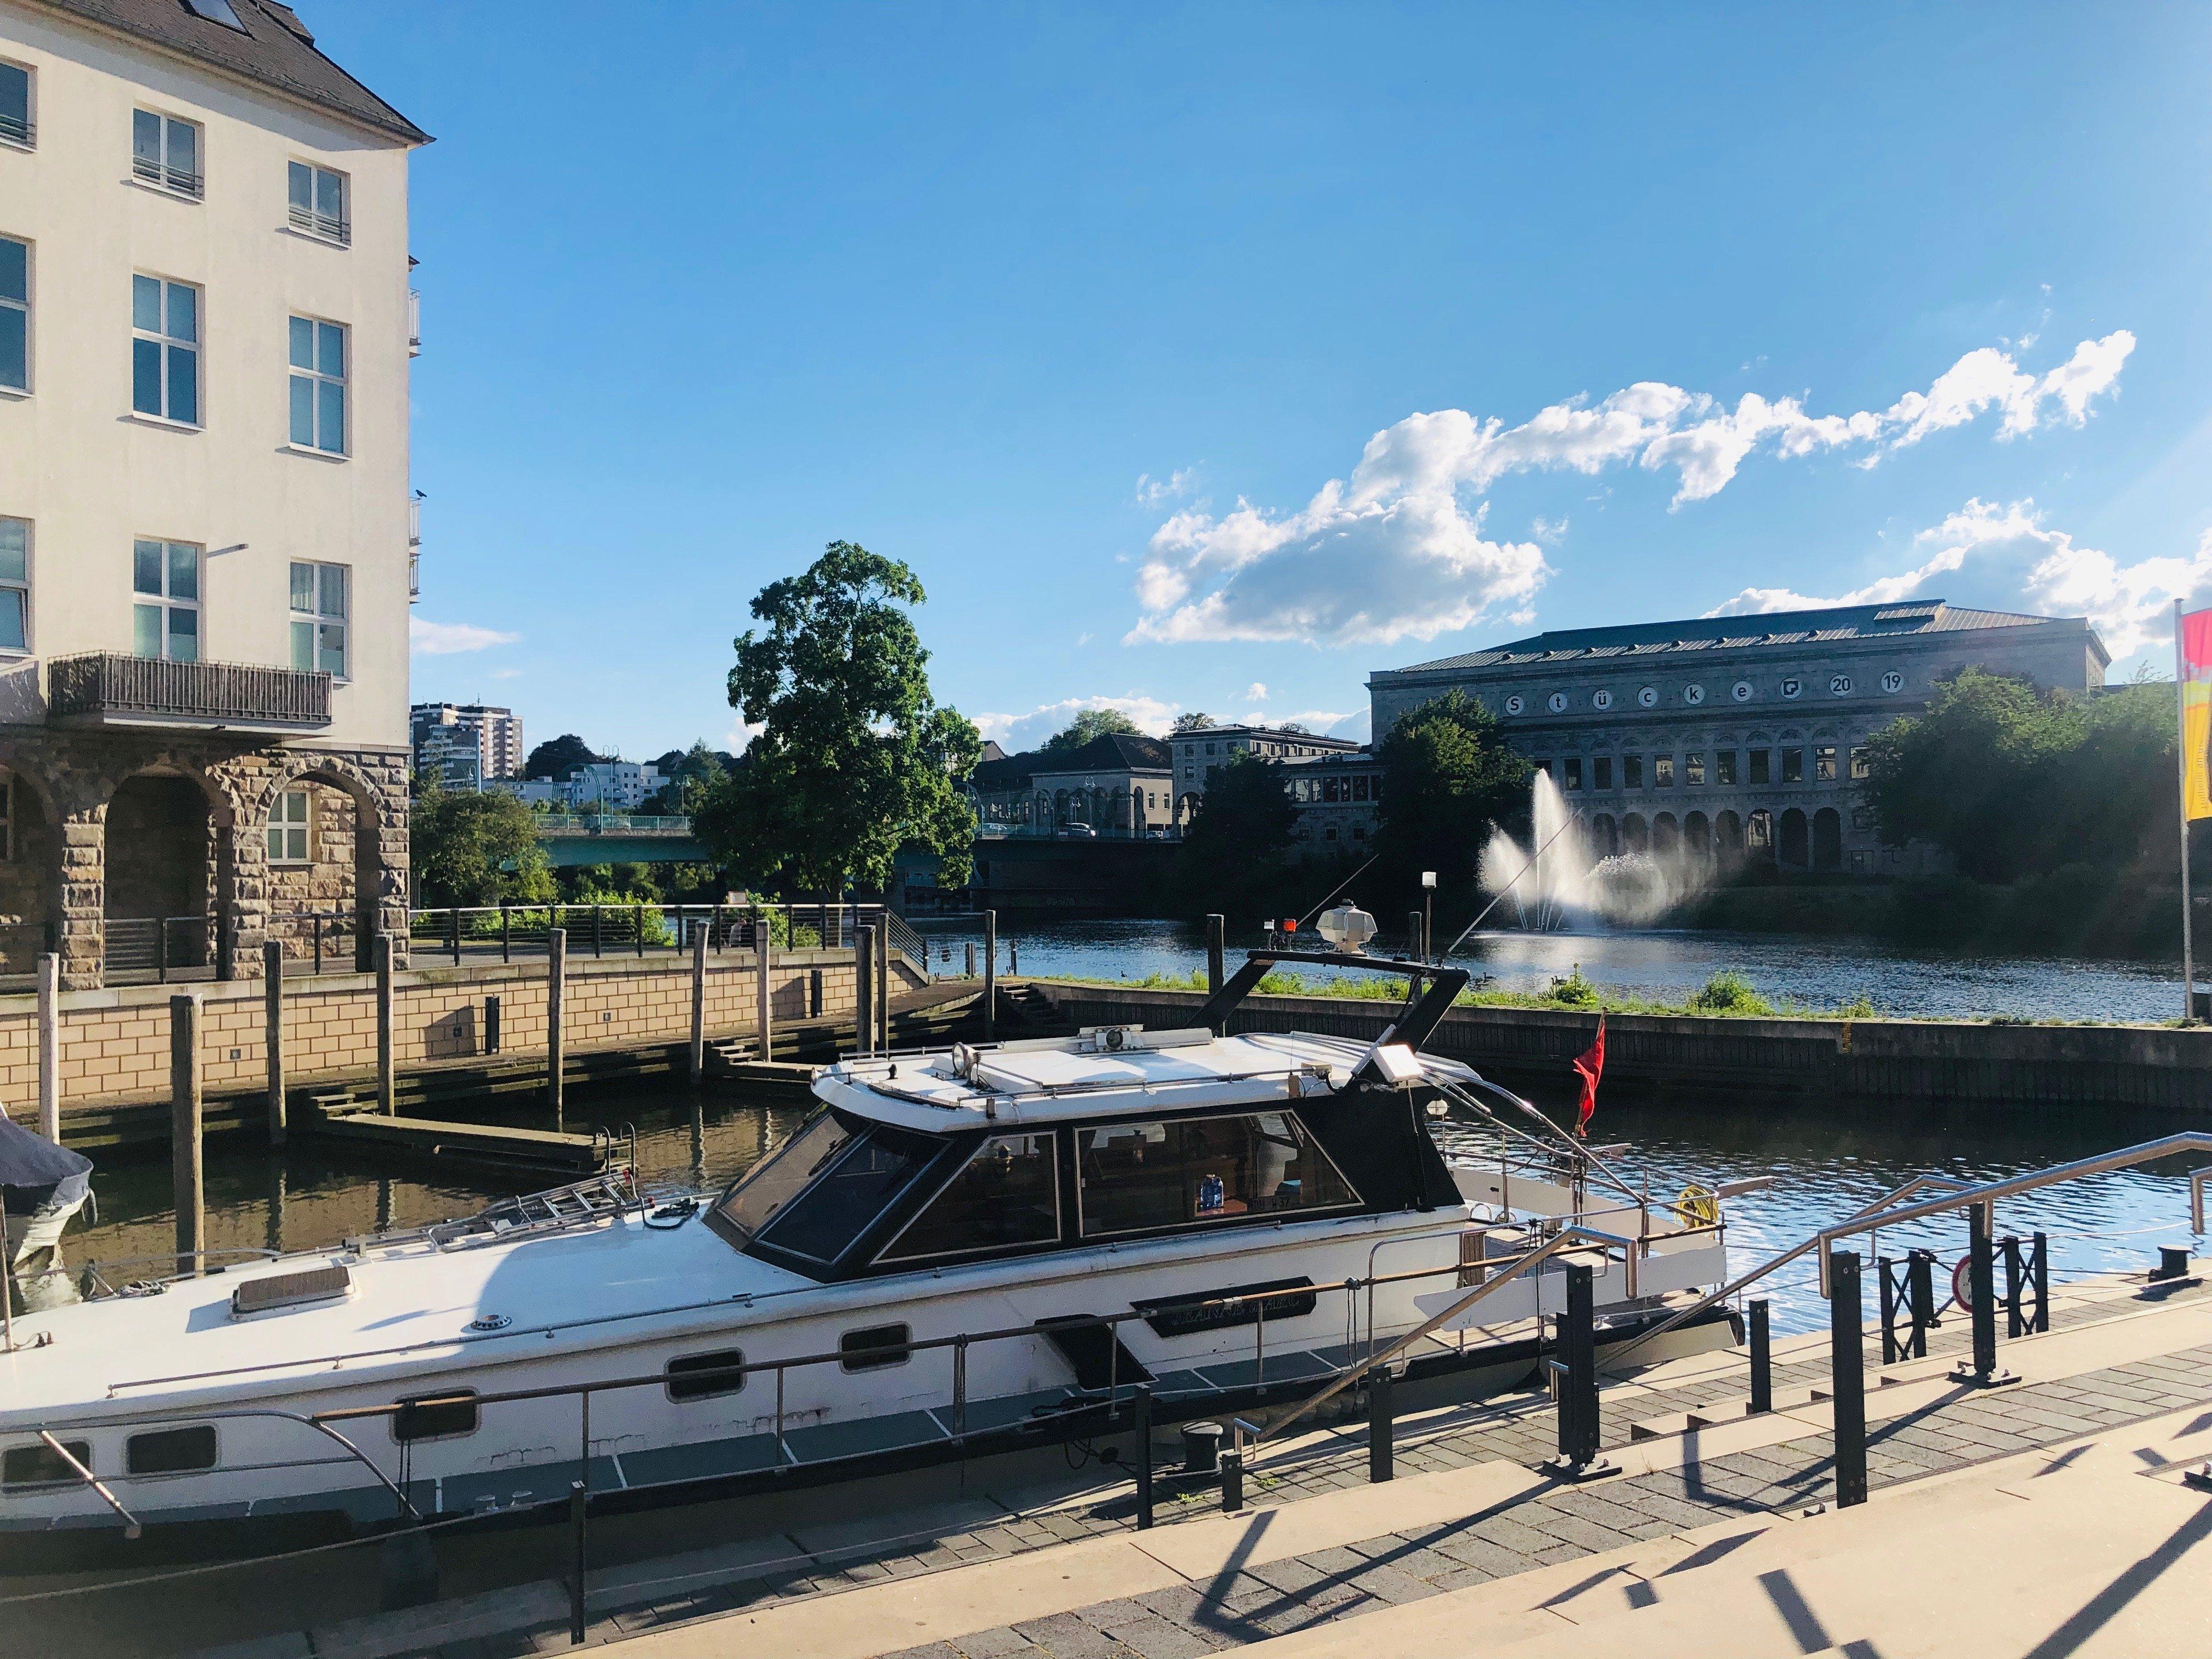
<point>820,1224</point>
<point>1136,1177</point>
<point>435,1416</point>
<point>40,1466</point>
<point>170,1451</point>
<point>761,1194</point>
<point>704,1376</point>
<point>874,1347</point>
<point>1005,1196</point>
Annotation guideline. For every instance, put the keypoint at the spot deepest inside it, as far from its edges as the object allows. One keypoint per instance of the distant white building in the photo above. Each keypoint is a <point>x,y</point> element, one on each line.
<point>605,786</point>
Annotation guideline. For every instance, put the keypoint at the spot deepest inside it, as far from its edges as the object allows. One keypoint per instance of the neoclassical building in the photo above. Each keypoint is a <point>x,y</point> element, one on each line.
<point>1738,736</point>
<point>206,537</point>
<point>1114,786</point>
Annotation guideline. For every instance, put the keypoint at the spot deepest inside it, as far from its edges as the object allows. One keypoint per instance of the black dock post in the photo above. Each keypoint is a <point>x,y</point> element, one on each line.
<point>2040,1274</point>
<point>1981,1278</point>
<point>1576,1373</point>
<point>1380,1423</point>
<point>1144,1456</point>
<point>1232,1481</point>
<point>1920,1291</point>
<point>576,1500</point>
<point>1847,1367</point>
<point>1215,946</point>
<point>1762,1361</point>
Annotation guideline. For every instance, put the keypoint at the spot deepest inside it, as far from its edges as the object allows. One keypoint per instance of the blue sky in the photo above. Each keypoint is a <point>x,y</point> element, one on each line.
<point>1090,316</point>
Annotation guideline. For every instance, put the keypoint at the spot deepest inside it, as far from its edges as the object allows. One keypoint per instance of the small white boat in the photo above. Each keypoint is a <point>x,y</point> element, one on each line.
<point>961,1252</point>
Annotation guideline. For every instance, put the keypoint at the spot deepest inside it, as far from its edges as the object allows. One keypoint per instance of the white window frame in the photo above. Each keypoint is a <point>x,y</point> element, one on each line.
<point>283,826</point>
<point>28,138</point>
<point>316,380</point>
<point>168,345</point>
<point>309,218</point>
<point>160,170</point>
<point>164,603</point>
<point>22,307</point>
<point>11,584</point>
<point>319,621</point>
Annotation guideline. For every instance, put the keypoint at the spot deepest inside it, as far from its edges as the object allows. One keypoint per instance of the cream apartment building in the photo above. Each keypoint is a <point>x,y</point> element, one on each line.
<point>206,526</point>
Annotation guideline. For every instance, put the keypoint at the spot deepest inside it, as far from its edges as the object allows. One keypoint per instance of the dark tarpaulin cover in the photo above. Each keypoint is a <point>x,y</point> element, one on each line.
<point>32,1168</point>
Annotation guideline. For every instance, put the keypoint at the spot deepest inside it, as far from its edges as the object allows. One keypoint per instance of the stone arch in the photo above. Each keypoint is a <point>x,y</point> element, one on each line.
<point>1605,835</point>
<point>30,871</point>
<point>1697,836</point>
<point>1728,835</point>
<point>170,884</point>
<point>1635,834</point>
<point>1828,839</point>
<point>1791,841</point>
<point>355,877</point>
<point>1666,834</point>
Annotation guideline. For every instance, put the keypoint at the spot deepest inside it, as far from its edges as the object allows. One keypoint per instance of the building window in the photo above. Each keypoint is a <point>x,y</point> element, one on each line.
<point>1572,767</point>
<point>1760,770</point>
<point>165,622</point>
<point>1793,766</point>
<point>1329,789</point>
<point>1662,772</point>
<point>1824,763</point>
<point>1632,771</point>
<point>290,817</point>
<point>1724,766</point>
<point>1862,767</point>
<point>15,126</point>
<point>1602,771</point>
<point>15,584</point>
<point>704,1376</point>
<point>319,386</point>
<point>1359,785</point>
<point>14,314</point>
<point>166,151</point>
<point>1375,787</point>
<point>319,617</point>
<point>165,350</point>
<point>1758,829</point>
<point>317,201</point>
<point>1694,770</point>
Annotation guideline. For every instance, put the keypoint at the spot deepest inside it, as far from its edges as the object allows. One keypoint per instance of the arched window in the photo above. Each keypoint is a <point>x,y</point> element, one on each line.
<point>1758,834</point>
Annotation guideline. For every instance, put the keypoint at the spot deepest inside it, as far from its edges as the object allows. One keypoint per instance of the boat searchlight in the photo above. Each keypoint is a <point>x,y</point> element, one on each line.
<point>1347,927</point>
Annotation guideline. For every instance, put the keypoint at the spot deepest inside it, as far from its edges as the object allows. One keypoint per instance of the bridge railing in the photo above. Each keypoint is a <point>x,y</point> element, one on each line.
<point>608,824</point>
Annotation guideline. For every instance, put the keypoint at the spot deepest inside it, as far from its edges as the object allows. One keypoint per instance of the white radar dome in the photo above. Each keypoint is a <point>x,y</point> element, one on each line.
<point>1347,927</point>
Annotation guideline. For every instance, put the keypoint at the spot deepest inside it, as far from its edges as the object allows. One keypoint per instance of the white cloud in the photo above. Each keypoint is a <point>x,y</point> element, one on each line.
<point>2007,558</point>
<point>1156,492</point>
<point>1397,551</point>
<point>435,639</point>
<point>1015,733</point>
<point>506,674</point>
<point>1255,692</point>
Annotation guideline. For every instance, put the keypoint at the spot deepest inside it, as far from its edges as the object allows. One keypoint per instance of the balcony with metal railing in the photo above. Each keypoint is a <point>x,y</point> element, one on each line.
<point>110,688</point>
<point>330,226</point>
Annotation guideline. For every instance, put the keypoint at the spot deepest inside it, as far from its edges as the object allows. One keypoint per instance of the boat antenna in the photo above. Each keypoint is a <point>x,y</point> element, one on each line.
<point>1339,888</point>
<point>1527,866</point>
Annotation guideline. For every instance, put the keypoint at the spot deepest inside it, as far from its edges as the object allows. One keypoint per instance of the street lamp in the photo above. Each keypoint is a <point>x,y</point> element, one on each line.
<point>1428,911</point>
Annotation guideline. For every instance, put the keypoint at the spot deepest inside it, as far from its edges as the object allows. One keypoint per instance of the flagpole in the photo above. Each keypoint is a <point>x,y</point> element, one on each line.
<point>2181,765</point>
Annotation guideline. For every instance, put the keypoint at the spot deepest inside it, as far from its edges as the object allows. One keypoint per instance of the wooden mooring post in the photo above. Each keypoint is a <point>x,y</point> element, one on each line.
<point>556,975</point>
<point>187,1167</point>
<point>272,1033</point>
<point>49,1047</point>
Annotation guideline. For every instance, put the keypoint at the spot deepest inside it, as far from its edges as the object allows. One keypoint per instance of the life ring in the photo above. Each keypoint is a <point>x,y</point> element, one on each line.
<point>1700,1206</point>
<point>1962,1282</point>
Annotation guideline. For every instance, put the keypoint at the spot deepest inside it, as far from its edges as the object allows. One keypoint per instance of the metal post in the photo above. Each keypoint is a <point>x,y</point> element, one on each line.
<point>186,1125</point>
<point>1762,1361</point>
<point>318,946</point>
<point>1576,1371</point>
<point>1144,1456</point>
<point>506,932</point>
<point>272,1034</point>
<point>1847,1366</point>
<point>1920,1291</point>
<point>576,1495</point>
<point>387,1078</point>
<point>1380,1423</point>
<point>49,1047</point>
<point>883,977</point>
<point>454,933</point>
<point>1232,1481</point>
<point>598,930</point>
<point>1891,1352</point>
<point>969,968</point>
<point>1981,1278</point>
<point>557,977</point>
<point>491,1025</point>
<point>2181,797</point>
<point>637,925</point>
<point>2039,1271</point>
<point>864,990</point>
<point>990,976</point>
<point>160,950</point>
<point>1215,928</point>
<point>698,1007</point>
<point>763,1001</point>
<point>2015,1274</point>
<point>1413,936</point>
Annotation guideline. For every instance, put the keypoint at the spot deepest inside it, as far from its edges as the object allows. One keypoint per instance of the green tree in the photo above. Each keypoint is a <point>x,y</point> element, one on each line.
<point>556,757</point>
<point>692,774</point>
<point>1447,776</point>
<point>1087,726</point>
<point>854,759</point>
<point>1192,721</point>
<point>471,848</point>
<point>1235,856</point>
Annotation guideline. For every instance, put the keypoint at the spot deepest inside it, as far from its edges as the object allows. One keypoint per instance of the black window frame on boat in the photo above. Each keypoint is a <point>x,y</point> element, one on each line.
<point>856,1352</point>
<point>38,1456</point>
<point>893,1255</point>
<point>1309,1142</point>
<point>727,1375</point>
<point>173,1451</point>
<point>880,1199</point>
<point>408,1423</point>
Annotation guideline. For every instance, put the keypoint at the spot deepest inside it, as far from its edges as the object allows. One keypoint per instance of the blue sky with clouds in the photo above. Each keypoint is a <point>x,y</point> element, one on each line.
<point>1212,357</point>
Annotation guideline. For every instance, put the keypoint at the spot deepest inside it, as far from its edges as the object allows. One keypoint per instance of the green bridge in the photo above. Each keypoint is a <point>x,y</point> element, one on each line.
<point>617,838</point>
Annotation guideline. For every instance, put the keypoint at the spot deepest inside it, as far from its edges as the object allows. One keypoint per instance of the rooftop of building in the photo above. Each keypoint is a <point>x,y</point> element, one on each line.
<point>1773,628</point>
<point>1280,733</point>
<point>1117,752</point>
<point>257,40</point>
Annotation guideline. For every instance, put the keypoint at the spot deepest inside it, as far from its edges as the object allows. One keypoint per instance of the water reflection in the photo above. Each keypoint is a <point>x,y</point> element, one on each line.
<point>1826,1159</point>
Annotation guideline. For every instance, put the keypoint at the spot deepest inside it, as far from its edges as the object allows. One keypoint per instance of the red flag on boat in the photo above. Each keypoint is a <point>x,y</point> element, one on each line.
<point>1589,1068</point>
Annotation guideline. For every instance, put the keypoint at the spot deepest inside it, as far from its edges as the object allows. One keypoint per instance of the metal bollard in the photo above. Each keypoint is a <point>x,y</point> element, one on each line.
<point>1576,1372</point>
<point>1144,1456</point>
<point>576,1497</point>
<point>1920,1291</point>
<point>1847,1372</point>
<point>1762,1361</point>
<point>1381,1423</point>
<point>970,972</point>
<point>1232,1481</point>
<point>1216,927</point>
<point>491,1025</point>
<point>1981,1278</point>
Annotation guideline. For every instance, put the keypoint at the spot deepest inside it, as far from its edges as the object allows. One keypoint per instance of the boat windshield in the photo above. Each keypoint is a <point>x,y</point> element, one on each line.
<point>866,1177</point>
<point>765,1188</point>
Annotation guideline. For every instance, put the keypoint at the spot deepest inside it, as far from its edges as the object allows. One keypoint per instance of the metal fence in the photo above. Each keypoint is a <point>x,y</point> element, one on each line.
<point>159,948</point>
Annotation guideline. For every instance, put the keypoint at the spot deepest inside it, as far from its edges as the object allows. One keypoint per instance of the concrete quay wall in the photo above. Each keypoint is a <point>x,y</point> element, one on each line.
<point>115,1042</point>
<point>2142,1068</point>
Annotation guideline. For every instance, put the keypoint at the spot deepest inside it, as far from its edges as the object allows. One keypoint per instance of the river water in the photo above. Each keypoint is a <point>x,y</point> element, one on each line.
<point>1825,1162</point>
<point>1807,970</point>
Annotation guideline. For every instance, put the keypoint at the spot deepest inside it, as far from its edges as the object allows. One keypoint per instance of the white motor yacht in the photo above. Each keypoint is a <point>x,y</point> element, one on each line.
<point>960,1253</point>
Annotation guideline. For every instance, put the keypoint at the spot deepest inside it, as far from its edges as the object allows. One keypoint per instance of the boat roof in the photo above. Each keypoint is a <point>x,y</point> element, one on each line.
<point>1104,1072</point>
